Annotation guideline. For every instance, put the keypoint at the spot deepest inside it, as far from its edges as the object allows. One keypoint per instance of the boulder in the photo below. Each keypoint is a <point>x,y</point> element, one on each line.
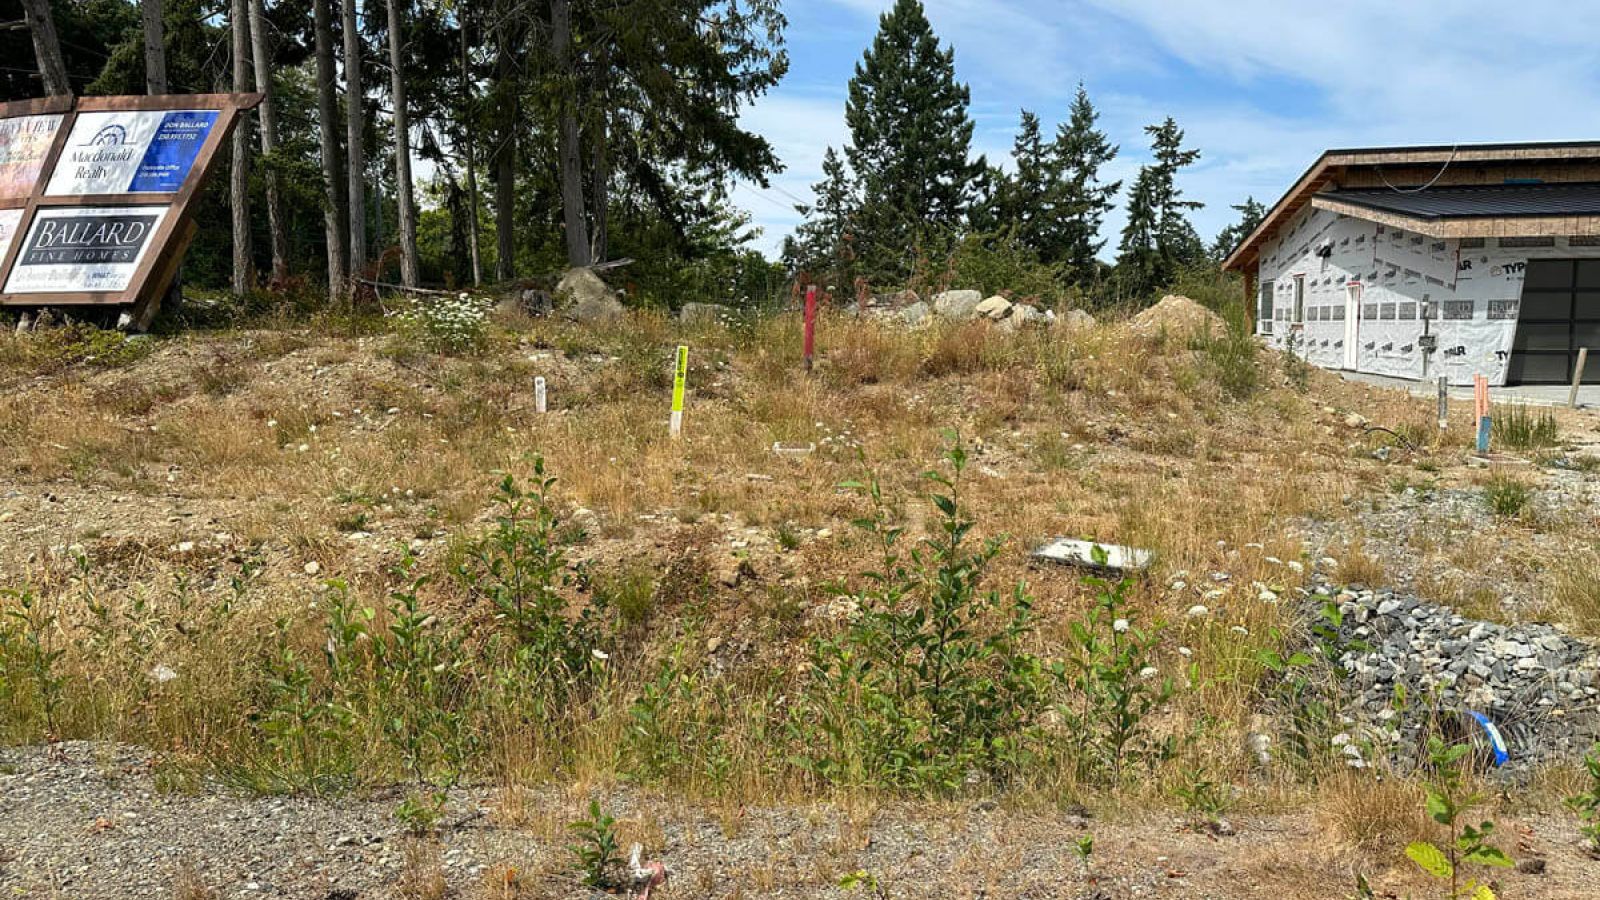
<point>705,314</point>
<point>956,304</point>
<point>995,308</point>
<point>915,314</point>
<point>1076,318</point>
<point>530,302</point>
<point>896,300</point>
<point>1022,315</point>
<point>587,297</point>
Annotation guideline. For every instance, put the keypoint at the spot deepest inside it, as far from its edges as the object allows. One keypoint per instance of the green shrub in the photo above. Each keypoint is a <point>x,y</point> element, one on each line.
<point>1448,800</point>
<point>1586,803</point>
<point>992,263</point>
<point>1115,685</point>
<point>930,682</point>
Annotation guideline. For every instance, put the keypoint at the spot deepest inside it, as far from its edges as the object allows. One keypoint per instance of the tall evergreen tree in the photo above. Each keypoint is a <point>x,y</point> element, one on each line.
<point>825,243</point>
<point>910,137</point>
<point>1025,200</point>
<point>1158,239</point>
<point>1080,150</point>
<point>1251,212</point>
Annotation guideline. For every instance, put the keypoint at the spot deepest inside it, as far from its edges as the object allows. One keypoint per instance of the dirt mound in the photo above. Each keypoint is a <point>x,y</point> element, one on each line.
<point>1180,315</point>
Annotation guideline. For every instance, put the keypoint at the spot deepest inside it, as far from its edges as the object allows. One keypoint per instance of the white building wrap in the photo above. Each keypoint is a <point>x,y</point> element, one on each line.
<point>1369,286</point>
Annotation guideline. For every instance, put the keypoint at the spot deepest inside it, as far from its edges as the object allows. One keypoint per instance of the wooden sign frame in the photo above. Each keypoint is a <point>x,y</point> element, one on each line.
<point>164,253</point>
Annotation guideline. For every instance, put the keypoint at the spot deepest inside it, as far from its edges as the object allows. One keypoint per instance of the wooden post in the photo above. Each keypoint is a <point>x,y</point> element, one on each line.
<point>1577,377</point>
<point>1480,388</point>
<point>1444,403</point>
<point>810,339</point>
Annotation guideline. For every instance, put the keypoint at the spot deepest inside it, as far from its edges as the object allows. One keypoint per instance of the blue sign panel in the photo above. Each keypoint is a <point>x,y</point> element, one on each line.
<point>172,151</point>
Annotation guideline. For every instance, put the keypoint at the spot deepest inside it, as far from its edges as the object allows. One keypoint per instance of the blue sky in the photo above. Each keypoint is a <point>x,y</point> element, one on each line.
<point>1261,87</point>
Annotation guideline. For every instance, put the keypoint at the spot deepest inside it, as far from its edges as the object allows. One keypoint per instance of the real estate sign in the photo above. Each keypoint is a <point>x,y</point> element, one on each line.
<point>84,249</point>
<point>95,194</point>
<point>130,152</point>
<point>24,143</point>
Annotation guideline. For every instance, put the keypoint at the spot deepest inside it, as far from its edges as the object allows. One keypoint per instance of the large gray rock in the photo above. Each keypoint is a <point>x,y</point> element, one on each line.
<point>530,302</point>
<point>995,308</point>
<point>899,298</point>
<point>705,314</point>
<point>956,304</point>
<point>587,297</point>
<point>1022,315</point>
<point>1076,318</point>
<point>915,314</point>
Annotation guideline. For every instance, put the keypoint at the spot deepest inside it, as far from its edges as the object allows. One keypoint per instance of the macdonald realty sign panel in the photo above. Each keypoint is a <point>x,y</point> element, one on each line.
<point>83,249</point>
<point>134,151</point>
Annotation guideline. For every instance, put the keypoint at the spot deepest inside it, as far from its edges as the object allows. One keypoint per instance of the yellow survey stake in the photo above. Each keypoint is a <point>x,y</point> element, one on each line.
<point>679,378</point>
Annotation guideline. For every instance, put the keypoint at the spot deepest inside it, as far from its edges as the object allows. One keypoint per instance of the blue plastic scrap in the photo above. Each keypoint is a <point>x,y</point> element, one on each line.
<point>1496,741</point>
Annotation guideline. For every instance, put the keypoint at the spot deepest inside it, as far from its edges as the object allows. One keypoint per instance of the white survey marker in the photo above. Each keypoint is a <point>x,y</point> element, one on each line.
<point>1069,552</point>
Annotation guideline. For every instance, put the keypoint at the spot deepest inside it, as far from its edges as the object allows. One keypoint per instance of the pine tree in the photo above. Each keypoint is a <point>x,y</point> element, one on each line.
<point>825,243</point>
<point>1025,200</point>
<point>909,140</point>
<point>1158,239</point>
<point>1080,150</point>
<point>1251,213</point>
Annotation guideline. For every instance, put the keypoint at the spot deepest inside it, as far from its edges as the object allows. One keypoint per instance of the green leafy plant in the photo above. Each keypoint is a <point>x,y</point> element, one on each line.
<point>1115,686</point>
<point>1448,799</point>
<point>33,652</point>
<point>1586,803</point>
<point>520,567</point>
<point>597,849</point>
<point>864,880</point>
<point>930,682</point>
<point>424,693</point>
<point>1203,797</point>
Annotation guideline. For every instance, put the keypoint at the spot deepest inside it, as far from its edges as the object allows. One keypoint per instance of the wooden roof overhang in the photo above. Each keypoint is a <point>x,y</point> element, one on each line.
<point>1335,165</point>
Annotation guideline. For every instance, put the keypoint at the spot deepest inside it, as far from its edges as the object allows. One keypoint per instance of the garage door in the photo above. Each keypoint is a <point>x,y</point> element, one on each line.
<point>1560,312</point>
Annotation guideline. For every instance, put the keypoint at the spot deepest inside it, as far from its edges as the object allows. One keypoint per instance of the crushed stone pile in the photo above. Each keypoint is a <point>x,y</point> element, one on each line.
<point>1537,684</point>
<point>1178,315</point>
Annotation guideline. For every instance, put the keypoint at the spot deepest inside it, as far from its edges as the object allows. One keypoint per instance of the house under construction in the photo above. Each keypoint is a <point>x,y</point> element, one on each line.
<point>1417,262</point>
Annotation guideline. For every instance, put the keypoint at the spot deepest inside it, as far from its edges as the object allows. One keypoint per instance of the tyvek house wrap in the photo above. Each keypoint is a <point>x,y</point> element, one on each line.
<point>1472,290</point>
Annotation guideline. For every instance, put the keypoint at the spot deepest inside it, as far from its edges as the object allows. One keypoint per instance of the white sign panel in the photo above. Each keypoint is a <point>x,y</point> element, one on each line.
<point>84,249</point>
<point>9,219</point>
<point>24,143</point>
<point>130,152</point>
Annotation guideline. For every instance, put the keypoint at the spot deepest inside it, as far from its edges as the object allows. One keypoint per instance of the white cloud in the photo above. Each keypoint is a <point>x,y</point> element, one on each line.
<point>1260,86</point>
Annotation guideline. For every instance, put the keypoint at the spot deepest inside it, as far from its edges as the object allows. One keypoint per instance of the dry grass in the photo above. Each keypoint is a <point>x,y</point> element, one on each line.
<point>1374,813</point>
<point>422,871</point>
<point>188,885</point>
<point>267,452</point>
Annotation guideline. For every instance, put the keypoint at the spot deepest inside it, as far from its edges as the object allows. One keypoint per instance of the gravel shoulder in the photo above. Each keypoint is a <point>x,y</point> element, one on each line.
<point>85,820</point>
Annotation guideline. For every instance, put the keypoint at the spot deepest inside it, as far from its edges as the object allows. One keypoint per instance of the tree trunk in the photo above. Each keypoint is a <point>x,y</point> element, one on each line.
<point>327,116</point>
<point>472,170</point>
<point>269,142</point>
<point>355,138</point>
<point>155,46</point>
<point>409,265</point>
<point>240,22</point>
<point>505,152</point>
<point>568,159</point>
<point>47,47</point>
<point>600,191</point>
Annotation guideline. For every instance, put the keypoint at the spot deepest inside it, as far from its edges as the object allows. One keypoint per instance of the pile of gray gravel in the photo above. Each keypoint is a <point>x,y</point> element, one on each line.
<point>1409,661</point>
